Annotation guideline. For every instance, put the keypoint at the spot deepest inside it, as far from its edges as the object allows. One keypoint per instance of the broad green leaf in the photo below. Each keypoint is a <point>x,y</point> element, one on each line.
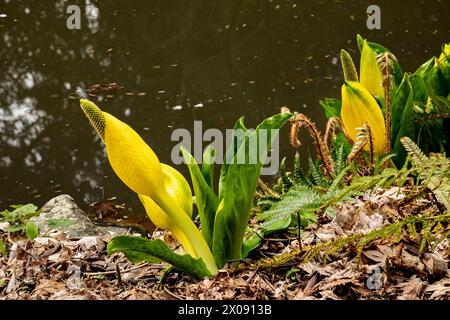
<point>205,198</point>
<point>59,223</point>
<point>419,87</point>
<point>331,106</point>
<point>439,79</point>
<point>240,132</point>
<point>402,119</point>
<point>209,157</point>
<point>425,68</point>
<point>432,137</point>
<point>138,249</point>
<point>31,230</point>
<point>240,182</point>
<point>397,107</point>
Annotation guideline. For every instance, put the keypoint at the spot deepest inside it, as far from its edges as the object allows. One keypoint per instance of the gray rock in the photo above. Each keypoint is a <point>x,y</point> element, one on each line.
<point>61,217</point>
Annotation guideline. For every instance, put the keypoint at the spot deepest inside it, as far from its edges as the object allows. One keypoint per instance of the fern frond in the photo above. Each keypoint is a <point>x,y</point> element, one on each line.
<point>381,161</point>
<point>339,159</point>
<point>414,151</point>
<point>298,171</point>
<point>316,173</point>
<point>285,179</point>
<point>300,199</point>
<point>337,181</point>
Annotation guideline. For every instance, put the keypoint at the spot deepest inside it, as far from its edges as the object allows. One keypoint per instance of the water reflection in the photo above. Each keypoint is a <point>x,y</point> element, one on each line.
<point>175,62</point>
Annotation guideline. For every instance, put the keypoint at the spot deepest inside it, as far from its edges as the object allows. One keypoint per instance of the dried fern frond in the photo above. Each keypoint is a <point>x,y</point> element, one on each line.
<point>364,137</point>
<point>300,120</point>
<point>430,117</point>
<point>266,190</point>
<point>332,125</point>
<point>386,62</point>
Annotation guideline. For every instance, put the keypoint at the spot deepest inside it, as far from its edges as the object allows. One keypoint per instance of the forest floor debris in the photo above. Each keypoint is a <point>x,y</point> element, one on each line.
<point>79,268</point>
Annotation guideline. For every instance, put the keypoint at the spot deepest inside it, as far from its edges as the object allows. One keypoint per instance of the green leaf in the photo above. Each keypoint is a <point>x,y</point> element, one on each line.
<point>432,137</point>
<point>21,213</point>
<point>138,249</point>
<point>205,198</point>
<point>252,240</point>
<point>419,87</point>
<point>439,78</point>
<point>60,223</point>
<point>209,157</point>
<point>332,107</point>
<point>16,227</point>
<point>425,68</point>
<point>31,230</point>
<point>240,132</point>
<point>402,119</point>
<point>239,182</point>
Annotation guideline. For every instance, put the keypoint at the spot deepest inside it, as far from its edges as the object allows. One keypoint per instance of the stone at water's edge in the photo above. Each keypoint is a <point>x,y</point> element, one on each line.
<point>61,217</point>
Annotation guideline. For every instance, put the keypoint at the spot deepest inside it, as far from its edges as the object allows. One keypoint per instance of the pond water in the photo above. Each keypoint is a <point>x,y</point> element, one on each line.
<point>174,62</point>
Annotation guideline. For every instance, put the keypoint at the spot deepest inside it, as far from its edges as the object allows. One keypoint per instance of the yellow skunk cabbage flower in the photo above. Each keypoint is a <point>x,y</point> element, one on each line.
<point>179,189</point>
<point>358,107</point>
<point>139,168</point>
<point>369,72</point>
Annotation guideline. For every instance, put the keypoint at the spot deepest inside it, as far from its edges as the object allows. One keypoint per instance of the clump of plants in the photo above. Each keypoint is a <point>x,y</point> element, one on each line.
<point>167,197</point>
<point>17,219</point>
<point>383,116</point>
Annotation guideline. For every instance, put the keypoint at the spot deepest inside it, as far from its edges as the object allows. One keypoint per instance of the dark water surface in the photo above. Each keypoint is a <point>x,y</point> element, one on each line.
<point>176,61</point>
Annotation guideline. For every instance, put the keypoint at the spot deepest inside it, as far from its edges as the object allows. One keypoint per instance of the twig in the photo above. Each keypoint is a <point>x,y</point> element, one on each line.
<point>174,295</point>
<point>119,277</point>
<point>51,251</point>
<point>299,230</point>
<point>122,271</point>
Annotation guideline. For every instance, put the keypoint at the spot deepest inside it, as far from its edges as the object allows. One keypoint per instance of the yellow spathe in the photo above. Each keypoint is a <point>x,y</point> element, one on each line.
<point>139,168</point>
<point>359,106</point>
<point>369,72</point>
<point>131,158</point>
<point>178,188</point>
